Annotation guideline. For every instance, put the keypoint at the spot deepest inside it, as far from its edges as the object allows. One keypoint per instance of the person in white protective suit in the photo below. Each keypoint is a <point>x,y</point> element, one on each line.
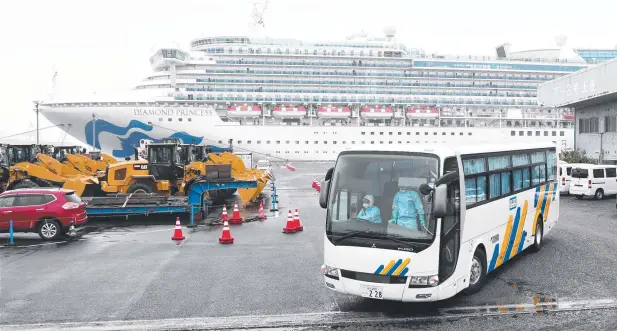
<point>369,212</point>
<point>407,206</point>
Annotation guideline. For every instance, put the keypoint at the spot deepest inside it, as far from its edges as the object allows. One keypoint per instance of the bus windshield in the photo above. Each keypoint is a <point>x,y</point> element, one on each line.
<point>377,196</point>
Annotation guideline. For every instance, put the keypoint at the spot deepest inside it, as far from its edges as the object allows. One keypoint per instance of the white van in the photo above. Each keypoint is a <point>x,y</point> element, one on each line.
<point>565,175</point>
<point>593,180</point>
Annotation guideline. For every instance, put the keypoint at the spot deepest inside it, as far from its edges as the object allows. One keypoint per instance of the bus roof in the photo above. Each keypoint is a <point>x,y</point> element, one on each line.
<point>444,151</point>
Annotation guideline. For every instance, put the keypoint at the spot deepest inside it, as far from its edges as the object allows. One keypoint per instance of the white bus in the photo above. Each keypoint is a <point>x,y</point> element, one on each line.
<point>428,222</point>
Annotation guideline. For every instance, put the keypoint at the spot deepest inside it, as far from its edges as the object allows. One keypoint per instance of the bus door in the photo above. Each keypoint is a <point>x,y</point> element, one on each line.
<point>450,225</point>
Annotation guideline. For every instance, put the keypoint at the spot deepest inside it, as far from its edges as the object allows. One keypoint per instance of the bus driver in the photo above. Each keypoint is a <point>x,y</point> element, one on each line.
<point>369,212</point>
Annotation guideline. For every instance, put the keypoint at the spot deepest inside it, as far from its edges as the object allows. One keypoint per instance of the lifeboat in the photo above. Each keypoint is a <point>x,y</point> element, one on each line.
<point>334,112</point>
<point>422,113</point>
<point>376,113</point>
<point>568,116</point>
<point>244,111</point>
<point>288,112</point>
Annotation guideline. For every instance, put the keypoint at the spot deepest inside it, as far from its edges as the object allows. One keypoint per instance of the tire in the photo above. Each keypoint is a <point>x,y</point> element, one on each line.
<point>26,183</point>
<point>49,230</point>
<point>599,194</point>
<point>140,188</point>
<point>539,237</point>
<point>477,272</point>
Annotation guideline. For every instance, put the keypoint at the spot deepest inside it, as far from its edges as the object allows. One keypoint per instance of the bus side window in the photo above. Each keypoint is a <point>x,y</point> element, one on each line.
<point>342,214</point>
<point>347,205</point>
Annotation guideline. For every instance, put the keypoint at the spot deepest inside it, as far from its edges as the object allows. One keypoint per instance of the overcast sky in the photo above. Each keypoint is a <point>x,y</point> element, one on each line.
<point>103,46</point>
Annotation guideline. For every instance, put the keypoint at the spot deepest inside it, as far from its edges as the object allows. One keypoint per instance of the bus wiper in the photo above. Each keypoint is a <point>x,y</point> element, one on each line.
<point>398,239</point>
<point>356,233</point>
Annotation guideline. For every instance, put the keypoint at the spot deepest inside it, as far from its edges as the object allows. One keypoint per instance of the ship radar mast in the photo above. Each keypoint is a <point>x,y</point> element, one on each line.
<point>389,32</point>
<point>257,24</point>
<point>52,94</point>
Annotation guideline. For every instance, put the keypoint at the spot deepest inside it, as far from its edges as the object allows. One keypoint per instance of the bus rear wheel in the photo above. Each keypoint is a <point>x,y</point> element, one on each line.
<point>537,241</point>
<point>477,272</point>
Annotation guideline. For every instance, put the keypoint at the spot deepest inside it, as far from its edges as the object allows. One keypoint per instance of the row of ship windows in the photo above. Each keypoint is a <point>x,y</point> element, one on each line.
<point>367,72</point>
<point>335,98</point>
<point>244,40</point>
<point>306,51</point>
<point>334,142</point>
<point>358,82</point>
<point>364,73</point>
<point>530,133</point>
<point>513,133</point>
<point>425,62</point>
<point>370,90</point>
<point>413,67</point>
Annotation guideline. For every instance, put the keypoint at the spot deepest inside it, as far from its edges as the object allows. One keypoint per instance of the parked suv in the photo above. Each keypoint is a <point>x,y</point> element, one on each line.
<point>48,211</point>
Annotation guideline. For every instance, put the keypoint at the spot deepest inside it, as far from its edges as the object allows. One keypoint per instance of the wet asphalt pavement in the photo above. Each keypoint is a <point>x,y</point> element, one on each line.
<point>123,271</point>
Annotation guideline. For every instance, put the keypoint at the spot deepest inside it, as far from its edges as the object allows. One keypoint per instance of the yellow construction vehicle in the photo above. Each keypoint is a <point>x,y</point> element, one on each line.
<point>209,155</point>
<point>93,164</point>
<point>162,172</point>
<point>28,168</point>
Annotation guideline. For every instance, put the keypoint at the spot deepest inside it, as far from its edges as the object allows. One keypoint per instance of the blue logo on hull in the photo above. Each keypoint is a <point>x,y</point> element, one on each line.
<point>127,144</point>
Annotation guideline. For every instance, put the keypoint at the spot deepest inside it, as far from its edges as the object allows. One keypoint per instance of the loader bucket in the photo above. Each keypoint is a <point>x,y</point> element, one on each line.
<point>84,186</point>
<point>260,186</point>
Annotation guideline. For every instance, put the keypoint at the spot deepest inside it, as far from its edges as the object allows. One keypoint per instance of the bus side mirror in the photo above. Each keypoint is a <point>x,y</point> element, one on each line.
<point>323,194</point>
<point>329,174</point>
<point>440,199</point>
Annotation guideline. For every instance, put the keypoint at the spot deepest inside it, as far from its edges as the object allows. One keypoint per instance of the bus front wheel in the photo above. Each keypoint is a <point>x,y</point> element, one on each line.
<point>477,272</point>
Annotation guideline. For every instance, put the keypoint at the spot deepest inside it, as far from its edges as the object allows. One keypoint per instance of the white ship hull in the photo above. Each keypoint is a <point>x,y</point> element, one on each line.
<point>119,128</point>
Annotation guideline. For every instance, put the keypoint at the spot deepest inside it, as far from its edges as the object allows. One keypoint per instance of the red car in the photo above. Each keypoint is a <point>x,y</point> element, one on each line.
<point>48,211</point>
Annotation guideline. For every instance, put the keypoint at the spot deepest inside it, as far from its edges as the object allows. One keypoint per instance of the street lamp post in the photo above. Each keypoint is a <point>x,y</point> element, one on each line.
<point>601,157</point>
<point>36,110</point>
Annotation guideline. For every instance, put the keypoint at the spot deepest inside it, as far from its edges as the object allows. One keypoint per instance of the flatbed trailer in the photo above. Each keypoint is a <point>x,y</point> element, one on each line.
<point>147,204</point>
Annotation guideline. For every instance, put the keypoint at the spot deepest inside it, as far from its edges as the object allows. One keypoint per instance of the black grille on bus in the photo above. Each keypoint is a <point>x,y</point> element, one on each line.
<point>366,277</point>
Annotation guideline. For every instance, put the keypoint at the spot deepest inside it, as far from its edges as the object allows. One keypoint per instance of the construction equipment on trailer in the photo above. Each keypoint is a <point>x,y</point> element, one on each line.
<point>240,171</point>
<point>164,172</point>
<point>145,204</point>
<point>27,168</point>
<point>93,163</point>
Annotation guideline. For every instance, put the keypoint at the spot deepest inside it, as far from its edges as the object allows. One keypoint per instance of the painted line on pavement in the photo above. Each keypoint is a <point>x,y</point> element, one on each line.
<point>316,319</point>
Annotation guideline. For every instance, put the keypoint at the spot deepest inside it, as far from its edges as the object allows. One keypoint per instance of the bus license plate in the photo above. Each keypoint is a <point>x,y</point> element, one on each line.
<point>372,292</point>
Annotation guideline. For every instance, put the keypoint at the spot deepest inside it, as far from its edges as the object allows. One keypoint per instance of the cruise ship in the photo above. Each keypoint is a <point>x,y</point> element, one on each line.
<point>296,100</point>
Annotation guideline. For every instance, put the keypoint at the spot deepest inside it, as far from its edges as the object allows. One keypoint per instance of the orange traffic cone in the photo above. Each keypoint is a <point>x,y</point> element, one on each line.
<point>178,231</point>
<point>291,226</point>
<point>226,237</point>
<point>297,224</point>
<point>224,214</point>
<point>235,217</point>
<point>261,216</point>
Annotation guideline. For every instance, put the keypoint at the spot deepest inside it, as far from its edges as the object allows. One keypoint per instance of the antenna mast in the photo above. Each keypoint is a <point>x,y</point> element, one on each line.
<point>53,84</point>
<point>257,24</point>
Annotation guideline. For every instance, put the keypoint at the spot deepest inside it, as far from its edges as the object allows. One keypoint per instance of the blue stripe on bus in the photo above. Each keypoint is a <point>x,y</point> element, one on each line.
<point>404,272</point>
<point>522,243</point>
<point>544,201</point>
<point>491,266</point>
<point>513,233</point>
<point>554,191</point>
<point>379,270</point>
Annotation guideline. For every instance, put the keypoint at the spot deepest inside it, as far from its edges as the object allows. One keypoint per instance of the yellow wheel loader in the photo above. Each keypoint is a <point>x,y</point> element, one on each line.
<point>27,168</point>
<point>93,164</point>
<point>239,171</point>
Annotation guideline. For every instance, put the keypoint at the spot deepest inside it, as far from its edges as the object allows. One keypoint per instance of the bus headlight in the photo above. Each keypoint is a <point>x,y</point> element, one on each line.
<point>329,271</point>
<point>423,281</point>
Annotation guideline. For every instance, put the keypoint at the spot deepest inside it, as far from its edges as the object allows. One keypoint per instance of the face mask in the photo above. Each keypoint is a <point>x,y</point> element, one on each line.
<point>365,205</point>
